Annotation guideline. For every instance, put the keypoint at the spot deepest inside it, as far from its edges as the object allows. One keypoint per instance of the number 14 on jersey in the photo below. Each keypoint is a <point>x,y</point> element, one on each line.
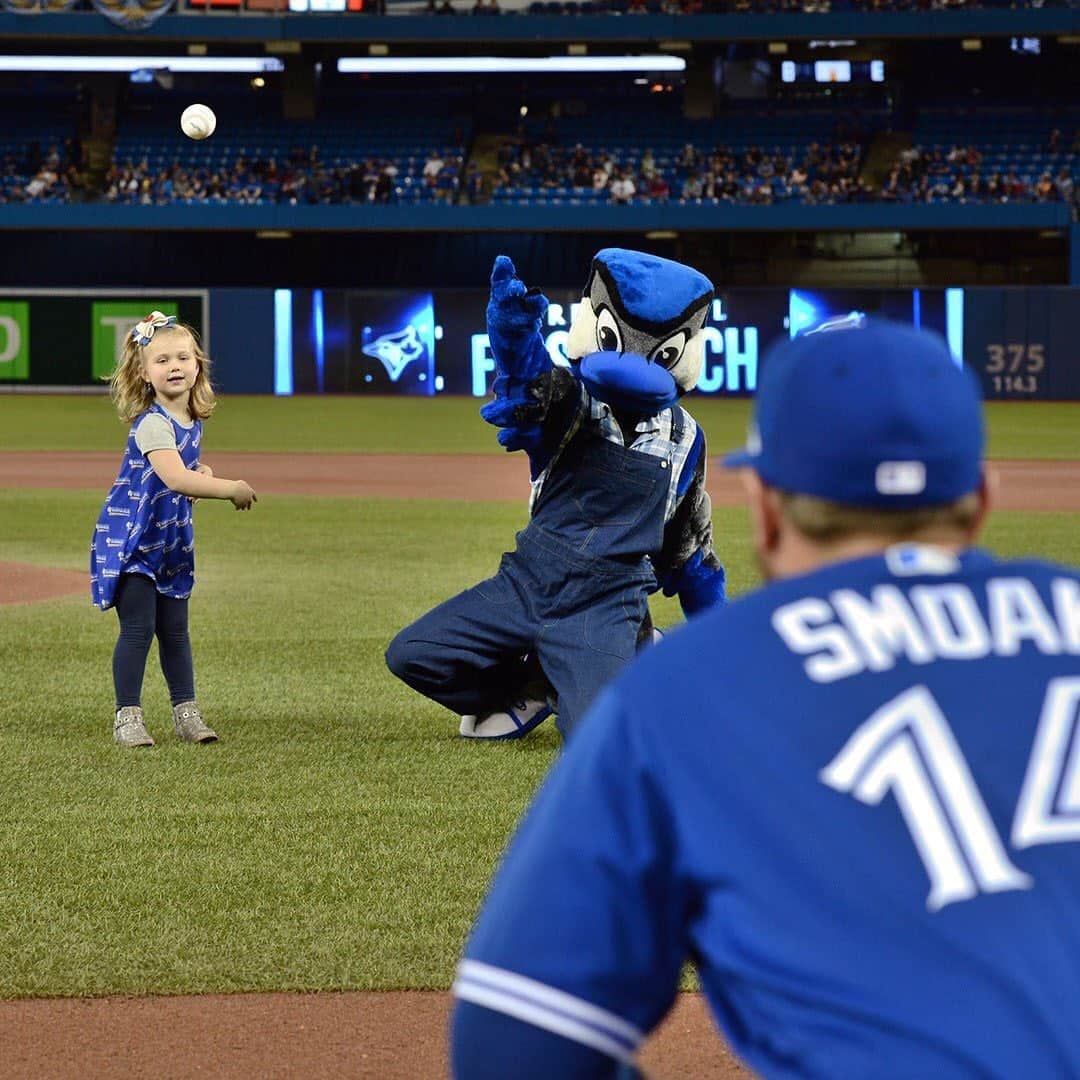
<point>908,747</point>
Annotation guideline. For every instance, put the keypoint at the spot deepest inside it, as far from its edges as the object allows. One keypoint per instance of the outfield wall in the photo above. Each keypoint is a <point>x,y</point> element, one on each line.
<point>1022,342</point>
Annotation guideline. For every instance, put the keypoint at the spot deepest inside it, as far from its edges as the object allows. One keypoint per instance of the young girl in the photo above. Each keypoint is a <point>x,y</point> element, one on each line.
<point>142,558</point>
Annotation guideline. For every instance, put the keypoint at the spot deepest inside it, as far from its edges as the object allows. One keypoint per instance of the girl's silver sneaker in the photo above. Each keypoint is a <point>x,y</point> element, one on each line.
<point>129,729</point>
<point>189,723</point>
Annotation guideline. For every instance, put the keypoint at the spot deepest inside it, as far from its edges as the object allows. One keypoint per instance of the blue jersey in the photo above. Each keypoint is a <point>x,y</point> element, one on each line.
<point>145,527</point>
<point>852,798</point>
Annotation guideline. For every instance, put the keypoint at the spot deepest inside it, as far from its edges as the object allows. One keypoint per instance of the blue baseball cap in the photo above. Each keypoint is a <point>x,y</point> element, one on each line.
<point>867,413</point>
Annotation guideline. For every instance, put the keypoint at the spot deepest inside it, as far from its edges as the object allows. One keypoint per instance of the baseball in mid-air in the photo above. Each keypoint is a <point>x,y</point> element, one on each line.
<point>198,121</point>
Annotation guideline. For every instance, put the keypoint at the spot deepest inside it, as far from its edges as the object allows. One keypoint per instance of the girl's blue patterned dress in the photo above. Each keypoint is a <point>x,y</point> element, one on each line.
<point>145,527</point>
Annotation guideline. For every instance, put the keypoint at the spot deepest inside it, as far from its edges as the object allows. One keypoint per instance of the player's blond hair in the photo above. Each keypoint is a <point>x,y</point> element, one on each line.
<point>133,395</point>
<point>826,522</point>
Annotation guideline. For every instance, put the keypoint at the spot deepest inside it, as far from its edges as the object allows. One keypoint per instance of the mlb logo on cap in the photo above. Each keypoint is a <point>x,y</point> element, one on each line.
<point>866,412</point>
<point>900,478</point>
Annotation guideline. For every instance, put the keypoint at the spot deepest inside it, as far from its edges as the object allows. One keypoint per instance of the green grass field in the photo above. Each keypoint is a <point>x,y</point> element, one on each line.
<point>340,835</point>
<point>453,426</point>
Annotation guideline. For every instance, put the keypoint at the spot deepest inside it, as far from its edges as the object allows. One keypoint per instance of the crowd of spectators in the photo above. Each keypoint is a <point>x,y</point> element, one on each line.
<point>810,7</point>
<point>963,173</point>
<point>818,173</point>
<point>477,7</point>
<point>539,168</point>
<point>300,179</point>
<point>33,173</point>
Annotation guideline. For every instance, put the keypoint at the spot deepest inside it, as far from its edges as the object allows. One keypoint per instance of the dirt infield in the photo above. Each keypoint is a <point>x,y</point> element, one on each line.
<point>1024,485</point>
<point>381,1036</point>
<point>22,583</point>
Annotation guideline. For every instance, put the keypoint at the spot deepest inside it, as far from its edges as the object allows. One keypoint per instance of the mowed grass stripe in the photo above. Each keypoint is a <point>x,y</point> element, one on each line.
<point>342,424</point>
<point>340,835</point>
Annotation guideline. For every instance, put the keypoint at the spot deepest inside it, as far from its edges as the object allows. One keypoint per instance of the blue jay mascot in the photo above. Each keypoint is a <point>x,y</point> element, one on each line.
<point>618,507</point>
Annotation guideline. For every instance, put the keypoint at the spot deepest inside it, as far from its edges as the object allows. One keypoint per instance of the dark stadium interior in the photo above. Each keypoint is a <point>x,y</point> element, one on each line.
<point>921,123</point>
<point>930,152</point>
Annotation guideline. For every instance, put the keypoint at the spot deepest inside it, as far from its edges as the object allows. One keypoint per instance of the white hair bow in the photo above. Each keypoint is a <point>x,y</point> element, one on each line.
<point>144,331</point>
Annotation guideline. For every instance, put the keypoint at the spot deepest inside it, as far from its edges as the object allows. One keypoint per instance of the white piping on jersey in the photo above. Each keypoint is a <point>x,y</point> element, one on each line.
<point>545,1007</point>
<point>651,436</point>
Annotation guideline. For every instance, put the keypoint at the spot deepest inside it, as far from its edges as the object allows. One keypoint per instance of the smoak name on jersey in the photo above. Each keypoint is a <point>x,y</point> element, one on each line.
<point>846,633</point>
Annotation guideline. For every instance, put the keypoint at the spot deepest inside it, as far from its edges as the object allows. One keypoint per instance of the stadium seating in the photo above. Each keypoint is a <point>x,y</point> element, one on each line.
<point>805,136</point>
<point>796,151</point>
<point>260,160</point>
<point>35,144</point>
<point>991,153</point>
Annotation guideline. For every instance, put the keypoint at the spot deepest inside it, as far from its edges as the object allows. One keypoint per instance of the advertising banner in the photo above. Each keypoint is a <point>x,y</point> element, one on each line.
<point>72,337</point>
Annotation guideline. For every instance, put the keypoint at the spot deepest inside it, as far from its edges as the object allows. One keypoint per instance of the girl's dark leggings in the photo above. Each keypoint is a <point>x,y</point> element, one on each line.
<point>143,613</point>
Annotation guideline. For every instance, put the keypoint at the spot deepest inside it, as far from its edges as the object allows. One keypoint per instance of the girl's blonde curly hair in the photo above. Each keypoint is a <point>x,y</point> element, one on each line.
<point>133,395</point>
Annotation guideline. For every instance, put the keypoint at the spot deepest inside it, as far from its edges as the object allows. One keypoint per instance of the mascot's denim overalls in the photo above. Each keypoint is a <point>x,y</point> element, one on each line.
<point>573,593</point>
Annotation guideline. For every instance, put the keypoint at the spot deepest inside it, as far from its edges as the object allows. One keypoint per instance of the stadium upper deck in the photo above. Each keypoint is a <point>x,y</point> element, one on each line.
<point>737,142</point>
<point>595,21</point>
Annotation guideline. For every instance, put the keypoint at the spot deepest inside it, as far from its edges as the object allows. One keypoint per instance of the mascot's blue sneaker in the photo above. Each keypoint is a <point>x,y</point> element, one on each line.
<point>512,723</point>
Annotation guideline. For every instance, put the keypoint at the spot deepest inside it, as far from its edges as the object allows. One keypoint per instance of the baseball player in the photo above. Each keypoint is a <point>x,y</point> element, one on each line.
<point>862,824</point>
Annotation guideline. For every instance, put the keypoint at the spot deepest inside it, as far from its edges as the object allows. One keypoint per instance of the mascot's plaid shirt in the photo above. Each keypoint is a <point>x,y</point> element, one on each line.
<point>653,435</point>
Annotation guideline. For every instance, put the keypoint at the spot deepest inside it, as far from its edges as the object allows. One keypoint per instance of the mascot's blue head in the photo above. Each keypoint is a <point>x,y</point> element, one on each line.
<point>636,339</point>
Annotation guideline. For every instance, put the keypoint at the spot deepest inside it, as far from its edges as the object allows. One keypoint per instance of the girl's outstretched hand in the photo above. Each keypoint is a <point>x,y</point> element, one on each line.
<point>243,495</point>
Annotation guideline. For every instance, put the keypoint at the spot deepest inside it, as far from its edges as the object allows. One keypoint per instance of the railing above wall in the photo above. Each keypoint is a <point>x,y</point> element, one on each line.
<point>596,29</point>
<point>861,217</point>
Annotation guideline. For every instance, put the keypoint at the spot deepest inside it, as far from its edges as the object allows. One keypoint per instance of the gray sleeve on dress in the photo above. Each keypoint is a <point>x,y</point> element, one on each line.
<point>155,433</point>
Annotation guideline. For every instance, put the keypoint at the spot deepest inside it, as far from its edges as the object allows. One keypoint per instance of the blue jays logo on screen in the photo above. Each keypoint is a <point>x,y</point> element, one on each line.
<point>397,335</point>
<point>932,309</point>
<point>810,309</point>
<point>396,351</point>
<point>734,337</point>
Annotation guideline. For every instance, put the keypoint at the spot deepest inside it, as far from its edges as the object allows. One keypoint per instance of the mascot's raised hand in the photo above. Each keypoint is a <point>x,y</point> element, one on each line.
<point>514,316</point>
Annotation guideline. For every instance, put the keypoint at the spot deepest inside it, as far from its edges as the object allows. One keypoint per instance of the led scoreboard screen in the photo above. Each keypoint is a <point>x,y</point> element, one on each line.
<point>435,342</point>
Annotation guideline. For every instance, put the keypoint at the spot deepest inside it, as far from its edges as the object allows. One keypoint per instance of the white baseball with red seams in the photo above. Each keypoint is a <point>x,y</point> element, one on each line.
<point>198,121</point>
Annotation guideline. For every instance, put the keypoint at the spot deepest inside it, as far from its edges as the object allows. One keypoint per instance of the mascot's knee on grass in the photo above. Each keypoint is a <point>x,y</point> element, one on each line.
<point>618,507</point>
